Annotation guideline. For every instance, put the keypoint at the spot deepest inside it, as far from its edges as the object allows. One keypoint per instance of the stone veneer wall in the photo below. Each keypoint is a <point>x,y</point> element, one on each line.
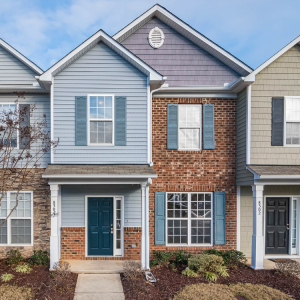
<point>41,213</point>
<point>73,244</point>
<point>206,170</point>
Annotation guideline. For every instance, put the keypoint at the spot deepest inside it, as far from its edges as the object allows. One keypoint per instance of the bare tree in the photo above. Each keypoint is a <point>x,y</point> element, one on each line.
<point>24,140</point>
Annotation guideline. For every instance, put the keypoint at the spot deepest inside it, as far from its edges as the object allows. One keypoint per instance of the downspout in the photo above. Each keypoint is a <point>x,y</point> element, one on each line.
<point>248,126</point>
<point>52,118</point>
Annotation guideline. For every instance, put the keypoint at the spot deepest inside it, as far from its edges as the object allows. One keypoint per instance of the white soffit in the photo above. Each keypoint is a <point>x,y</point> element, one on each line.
<point>100,36</point>
<point>21,57</point>
<point>187,31</point>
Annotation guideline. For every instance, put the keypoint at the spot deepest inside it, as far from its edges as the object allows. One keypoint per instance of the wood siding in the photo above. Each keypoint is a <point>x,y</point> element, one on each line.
<point>42,103</point>
<point>13,71</point>
<point>280,78</point>
<point>73,202</point>
<point>183,62</point>
<point>243,176</point>
<point>100,71</point>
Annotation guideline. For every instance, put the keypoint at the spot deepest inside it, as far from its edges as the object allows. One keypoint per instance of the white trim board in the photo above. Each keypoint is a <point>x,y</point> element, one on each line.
<point>188,32</point>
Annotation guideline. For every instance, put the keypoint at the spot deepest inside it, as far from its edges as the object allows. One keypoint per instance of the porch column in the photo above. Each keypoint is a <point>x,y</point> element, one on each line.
<point>54,238</point>
<point>257,259</point>
<point>145,228</point>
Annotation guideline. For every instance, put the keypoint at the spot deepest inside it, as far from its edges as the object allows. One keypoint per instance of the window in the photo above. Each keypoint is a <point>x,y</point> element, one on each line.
<point>189,218</point>
<point>6,108</point>
<point>190,127</point>
<point>17,230</point>
<point>292,120</point>
<point>101,119</point>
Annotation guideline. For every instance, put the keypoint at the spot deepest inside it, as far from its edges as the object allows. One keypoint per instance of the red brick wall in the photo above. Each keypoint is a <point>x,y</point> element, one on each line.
<point>73,244</point>
<point>206,170</point>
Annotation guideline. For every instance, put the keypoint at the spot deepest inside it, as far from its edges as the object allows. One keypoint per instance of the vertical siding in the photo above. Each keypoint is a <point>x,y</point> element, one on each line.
<point>13,71</point>
<point>100,71</point>
<point>243,176</point>
<point>183,62</point>
<point>42,102</point>
<point>73,202</point>
<point>280,78</point>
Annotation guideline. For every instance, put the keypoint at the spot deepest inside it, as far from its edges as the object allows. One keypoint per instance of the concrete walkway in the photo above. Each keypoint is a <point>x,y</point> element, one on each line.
<point>99,287</point>
<point>96,266</point>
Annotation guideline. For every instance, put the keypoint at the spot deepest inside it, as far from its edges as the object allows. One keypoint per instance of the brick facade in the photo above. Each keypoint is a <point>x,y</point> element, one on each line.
<point>41,213</point>
<point>206,170</point>
<point>73,244</point>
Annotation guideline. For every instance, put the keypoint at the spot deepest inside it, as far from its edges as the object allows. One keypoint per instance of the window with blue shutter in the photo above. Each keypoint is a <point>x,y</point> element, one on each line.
<point>120,120</point>
<point>80,121</point>
<point>172,126</point>
<point>277,121</point>
<point>208,127</point>
<point>220,219</point>
<point>160,218</point>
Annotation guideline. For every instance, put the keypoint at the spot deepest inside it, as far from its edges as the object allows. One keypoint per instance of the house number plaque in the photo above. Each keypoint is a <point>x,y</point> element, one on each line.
<point>259,208</point>
<point>54,212</point>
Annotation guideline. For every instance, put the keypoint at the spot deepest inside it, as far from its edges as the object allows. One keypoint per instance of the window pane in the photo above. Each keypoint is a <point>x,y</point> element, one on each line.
<point>100,132</point>
<point>108,113</point>
<point>108,101</point>
<point>177,232</point>
<point>24,205</point>
<point>100,113</point>
<point>100,101</point>
<point>182,115</point>
<point>189,138</point>
<point>3,232</point>
<point>3,207</point>
<point>21,231</point>
<point>93,101</point>
<point>293,133</point>
<point>108,132</point>
<point>201,232</point>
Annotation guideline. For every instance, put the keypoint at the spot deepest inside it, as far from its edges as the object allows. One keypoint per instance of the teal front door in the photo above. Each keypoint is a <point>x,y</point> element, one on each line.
<point>100,225</point>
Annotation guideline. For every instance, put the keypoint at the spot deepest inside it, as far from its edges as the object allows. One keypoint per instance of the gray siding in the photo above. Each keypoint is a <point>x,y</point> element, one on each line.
<point>280,78</point>
<point>100,71</point>
<point>73,202</point>
<point>243,176</point>
<point>183,62</point>
<point>42,103</point>
<point>13,71</point>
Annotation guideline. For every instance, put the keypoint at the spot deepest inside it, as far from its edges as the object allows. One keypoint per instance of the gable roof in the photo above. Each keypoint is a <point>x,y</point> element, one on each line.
<point>251,76</point>
<point>183,28</point>
<point>100,36</point>
<point>21,57</point>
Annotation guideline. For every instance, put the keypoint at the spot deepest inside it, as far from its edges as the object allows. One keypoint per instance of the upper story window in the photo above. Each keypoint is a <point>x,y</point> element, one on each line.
<point>101,119</point>
<point>13,136</point>
<point>292,120</point>
<point>189,127</point>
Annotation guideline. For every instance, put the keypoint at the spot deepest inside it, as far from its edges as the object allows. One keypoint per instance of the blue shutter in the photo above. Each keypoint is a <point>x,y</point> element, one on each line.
<point>172,127</point>
<point>80,121</point>
<point>277,121</point>
<point>160,218</point>
<point>120,121</point>
<point>220,219</point>
<point>208,127</point>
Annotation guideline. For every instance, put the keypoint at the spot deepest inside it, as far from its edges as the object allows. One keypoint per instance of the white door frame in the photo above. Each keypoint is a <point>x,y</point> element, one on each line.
<point>290,254</point>
<point>114,222</point>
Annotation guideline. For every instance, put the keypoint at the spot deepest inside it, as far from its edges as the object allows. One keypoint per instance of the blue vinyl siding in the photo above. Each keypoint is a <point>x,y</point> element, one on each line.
<point>100,71</point>
<point>73,202</point>
<point>42,102</point>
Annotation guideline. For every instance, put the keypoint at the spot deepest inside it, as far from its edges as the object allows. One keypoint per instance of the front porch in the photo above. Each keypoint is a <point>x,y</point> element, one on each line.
<point>99,214</point>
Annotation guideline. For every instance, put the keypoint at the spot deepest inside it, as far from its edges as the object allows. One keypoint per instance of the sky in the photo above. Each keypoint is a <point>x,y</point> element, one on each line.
<point>46,30</point>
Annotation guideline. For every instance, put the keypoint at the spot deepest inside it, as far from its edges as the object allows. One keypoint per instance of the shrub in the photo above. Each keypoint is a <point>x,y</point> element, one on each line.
<point>7,277</point>
<point>208,264</point>
<point>14,257</point>
<point>62,268</point>
<point>40,257</point>
<point>189,273</point>
<point>290,267</point>
<point>181,257</point>
<point>160,257</point>
<point>132,269</point>
<point>14,292</point>
<point>231,257</point>
<point>249,291</point>
<point>23,269</point>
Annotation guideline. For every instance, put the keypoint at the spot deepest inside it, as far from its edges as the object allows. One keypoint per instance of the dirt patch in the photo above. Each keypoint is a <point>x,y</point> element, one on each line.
<point>169,282</point>
<point>42,283</point>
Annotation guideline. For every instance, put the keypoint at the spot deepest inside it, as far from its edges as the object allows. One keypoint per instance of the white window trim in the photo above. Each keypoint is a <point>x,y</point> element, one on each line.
<point>284,123</point>
<point>18,218</point>
<point>17,107</point>
<point>191,127</point>
<point>115,251</point>
<point>112,120</point>
<point>189,244</point>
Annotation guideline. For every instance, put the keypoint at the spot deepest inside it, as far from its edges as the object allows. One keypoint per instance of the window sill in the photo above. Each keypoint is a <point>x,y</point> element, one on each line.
<point>194,245</point>
<point>16,245</point>
<point>200,150</point>
<point>100,145</point>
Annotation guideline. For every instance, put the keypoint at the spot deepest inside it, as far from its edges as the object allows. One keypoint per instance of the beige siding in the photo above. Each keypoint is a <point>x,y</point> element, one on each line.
<point>243,176</point>
<point>281,78</point>
<point>247,210</point>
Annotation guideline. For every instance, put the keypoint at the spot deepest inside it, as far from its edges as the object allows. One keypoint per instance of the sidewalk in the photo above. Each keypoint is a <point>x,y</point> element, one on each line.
<point>99,287</point>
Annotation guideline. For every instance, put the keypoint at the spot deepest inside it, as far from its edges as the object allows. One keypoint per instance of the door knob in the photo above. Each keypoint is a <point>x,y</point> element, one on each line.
<point>111,230</point>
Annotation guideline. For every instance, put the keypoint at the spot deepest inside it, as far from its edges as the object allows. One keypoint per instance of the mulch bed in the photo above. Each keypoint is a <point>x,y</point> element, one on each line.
<point>170,282</point>
<point>42,282</point>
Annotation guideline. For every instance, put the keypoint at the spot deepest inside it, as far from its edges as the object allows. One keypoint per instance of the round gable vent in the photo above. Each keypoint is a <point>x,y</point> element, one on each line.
<point>156,37</point>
